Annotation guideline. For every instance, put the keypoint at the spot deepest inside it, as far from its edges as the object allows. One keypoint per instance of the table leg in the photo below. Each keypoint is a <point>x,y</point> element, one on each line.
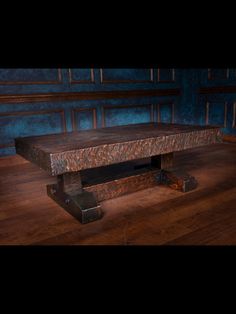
<point>69,193</point>
<point>81,200</point>
<point>164,161</point>
<point>174,178</point>
<point>178,180</point>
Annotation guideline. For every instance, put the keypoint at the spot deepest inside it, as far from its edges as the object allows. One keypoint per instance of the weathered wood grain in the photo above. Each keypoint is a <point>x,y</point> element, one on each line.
<point>69,152</point>
<point>156,216</point>
<point>132,182</point>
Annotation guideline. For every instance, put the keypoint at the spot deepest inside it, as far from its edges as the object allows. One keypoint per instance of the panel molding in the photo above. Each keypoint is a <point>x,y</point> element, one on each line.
<point>217,90</point>
<point>73,81</point>
<point>74,111</point>
<point>57,81</point>
<point>234,115</point>
<point>225,113</point>
<point>172,111</point>
<point>211,78</point>
<point>31,113</point>
<point>173,80</point>
<point>104,81</point>
<point>107,107</point>
<point>31,98</point>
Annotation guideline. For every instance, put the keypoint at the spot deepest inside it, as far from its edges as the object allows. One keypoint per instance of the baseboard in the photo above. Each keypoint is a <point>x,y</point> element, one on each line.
<point>229,138</point>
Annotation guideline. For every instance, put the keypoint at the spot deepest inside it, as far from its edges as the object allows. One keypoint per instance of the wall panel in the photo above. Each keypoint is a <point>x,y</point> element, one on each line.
<point>166,75</point>
<point>165,112</point>
<point>30,76</point>
<point>126,75</point>
<point>218,74</point>
<point>84,118</point>
<point>43,101</point>
<point>216,113</point>
<point>81,76</point>
<point>25,123</point>
<point>122,115</point>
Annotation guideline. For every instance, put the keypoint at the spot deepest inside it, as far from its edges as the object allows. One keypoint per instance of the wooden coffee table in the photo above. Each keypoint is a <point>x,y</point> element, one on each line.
<point>127,159</point>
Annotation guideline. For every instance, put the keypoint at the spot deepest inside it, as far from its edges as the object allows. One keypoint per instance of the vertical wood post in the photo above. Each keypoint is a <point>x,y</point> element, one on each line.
<point>164,161</point>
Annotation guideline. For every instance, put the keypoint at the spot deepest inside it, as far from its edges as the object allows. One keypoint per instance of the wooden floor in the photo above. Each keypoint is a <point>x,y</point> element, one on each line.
<point>156,216</point>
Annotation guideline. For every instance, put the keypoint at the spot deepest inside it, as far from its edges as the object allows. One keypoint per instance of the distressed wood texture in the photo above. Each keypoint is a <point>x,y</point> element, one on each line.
<point>154,216</point>
<point>74,151</point>
<point>178,180</point>
<point>129,183</point>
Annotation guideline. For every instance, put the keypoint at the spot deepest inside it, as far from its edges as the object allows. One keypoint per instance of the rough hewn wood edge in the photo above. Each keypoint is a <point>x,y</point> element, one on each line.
<point>33,154</point>
<point>76,160</point>
<point>31,98</point>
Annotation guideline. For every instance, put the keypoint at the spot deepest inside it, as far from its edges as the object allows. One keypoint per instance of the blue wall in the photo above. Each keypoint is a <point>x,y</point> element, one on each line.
<point>34,117</point>
<point>208,97</point>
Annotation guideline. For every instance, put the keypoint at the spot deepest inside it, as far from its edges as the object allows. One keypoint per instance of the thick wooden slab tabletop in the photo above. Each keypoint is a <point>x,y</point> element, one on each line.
<point>56,143</point>
<point>93,148</point>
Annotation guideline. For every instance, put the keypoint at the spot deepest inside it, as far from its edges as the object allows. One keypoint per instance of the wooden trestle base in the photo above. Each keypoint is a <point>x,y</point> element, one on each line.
<point>81,199</point>
<point>84,161</point>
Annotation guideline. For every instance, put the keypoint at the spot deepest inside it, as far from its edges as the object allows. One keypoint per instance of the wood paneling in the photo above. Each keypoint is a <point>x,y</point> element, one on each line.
<point>75,112</point>
<point>73,80</point>
<point>218,90</point>
<point>212,115</point>
<point>8,116</point>
<point>165,75</point>
<point>22,82</point>
<point>106,109</point>
<point>113,80</point>
<point>31,98</point>
<point>160,112</point>
<point>234,115</point>
<point>218,74</point>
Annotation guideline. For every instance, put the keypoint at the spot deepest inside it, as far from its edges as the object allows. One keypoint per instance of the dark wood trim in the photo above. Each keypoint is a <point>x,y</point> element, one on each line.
<point>107,107</point>
<point>72,81</point>
<point>207,113</point>
<point>152,113</point>
<point>8,145</point>
<point>28,113</point>
<point>217,90</point>
<point>159,112</point>
<point>173,80</point>
<point>58,81</point>
<point>210,78</point>
<point>104,81</point>
<point>225,113</point>
<point>234,116</point>
<point>229,138</point>
<point>103,117</point>
<point>31,98</point>
<point>74,119</point>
